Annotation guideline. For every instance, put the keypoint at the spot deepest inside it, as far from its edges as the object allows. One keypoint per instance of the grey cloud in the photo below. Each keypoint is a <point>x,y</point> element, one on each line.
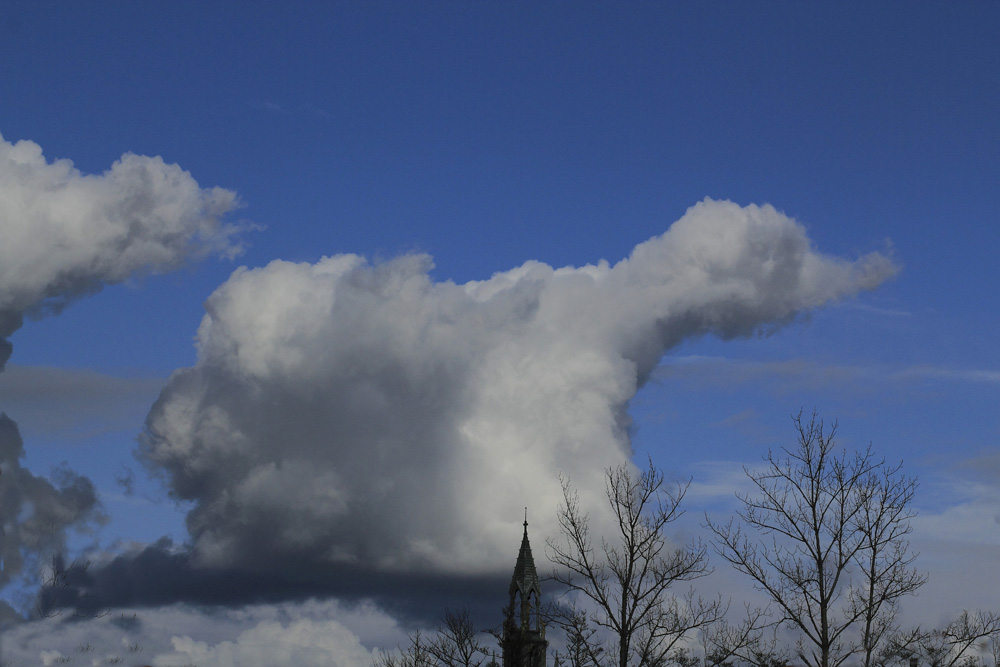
<point>5,347</point>
<point>35,513</point>
<point>8,616</point>
<point>67,234</point>
<point>360,416</point>
<point>162,574</point>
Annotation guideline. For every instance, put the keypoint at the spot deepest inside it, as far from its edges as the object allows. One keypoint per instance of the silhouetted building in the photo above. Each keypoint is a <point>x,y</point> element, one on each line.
<point>524,642</point>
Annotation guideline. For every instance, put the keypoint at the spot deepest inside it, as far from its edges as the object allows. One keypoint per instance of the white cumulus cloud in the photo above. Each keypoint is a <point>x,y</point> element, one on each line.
<point>309,633</point>
<point>66,234</point>
<point>349,413</point>
<point>303,642</point>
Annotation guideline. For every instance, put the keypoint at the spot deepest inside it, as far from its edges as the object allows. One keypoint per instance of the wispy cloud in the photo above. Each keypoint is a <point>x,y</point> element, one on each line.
<point>795,374</point>
<point>887,312</point>
<point>975,376</point>
<point>716,483</point>
<point>957,533</point>
<point>71,404</point>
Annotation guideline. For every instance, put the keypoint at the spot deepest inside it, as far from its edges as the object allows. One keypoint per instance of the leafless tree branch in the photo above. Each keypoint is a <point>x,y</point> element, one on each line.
<point>823,535</point>
<point>629,580</point>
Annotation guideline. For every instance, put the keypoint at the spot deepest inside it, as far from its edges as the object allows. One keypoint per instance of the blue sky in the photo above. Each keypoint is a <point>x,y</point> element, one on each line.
<point>490,134</point>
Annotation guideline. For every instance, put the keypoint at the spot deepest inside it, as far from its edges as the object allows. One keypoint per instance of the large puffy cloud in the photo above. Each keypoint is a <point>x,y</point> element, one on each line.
<point>362,417</point>
<point>66,234</point>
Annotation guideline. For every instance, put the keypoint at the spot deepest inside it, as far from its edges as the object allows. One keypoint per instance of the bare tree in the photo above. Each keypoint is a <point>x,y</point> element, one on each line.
<point>817,515</point>
<point>583,648</point>
<point>964,642</point>
<point>884,559</point>
<point>455,645</point>
<point>628,581</point>
<point>59,590</point>
<point>415,655</point>
<point>751,642</point>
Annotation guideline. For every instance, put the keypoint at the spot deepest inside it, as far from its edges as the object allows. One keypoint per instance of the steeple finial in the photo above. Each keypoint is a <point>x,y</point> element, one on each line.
<point>525,520</point>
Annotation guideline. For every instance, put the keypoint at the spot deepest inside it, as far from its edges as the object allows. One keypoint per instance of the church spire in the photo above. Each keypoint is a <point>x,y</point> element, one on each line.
<point>523,641</point>
<point>525,579</point>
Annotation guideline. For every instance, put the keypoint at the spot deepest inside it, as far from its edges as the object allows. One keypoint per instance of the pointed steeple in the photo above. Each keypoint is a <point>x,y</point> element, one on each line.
<point>525,579</point>
<point>523,642</point>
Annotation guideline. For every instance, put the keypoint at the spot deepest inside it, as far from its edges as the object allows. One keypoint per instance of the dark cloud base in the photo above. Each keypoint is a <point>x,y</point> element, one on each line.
<point>161,574</point>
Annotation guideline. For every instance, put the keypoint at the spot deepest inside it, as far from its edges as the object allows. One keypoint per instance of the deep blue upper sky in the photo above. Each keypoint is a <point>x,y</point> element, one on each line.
<point>487,134</point>
<point>490,133</point>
